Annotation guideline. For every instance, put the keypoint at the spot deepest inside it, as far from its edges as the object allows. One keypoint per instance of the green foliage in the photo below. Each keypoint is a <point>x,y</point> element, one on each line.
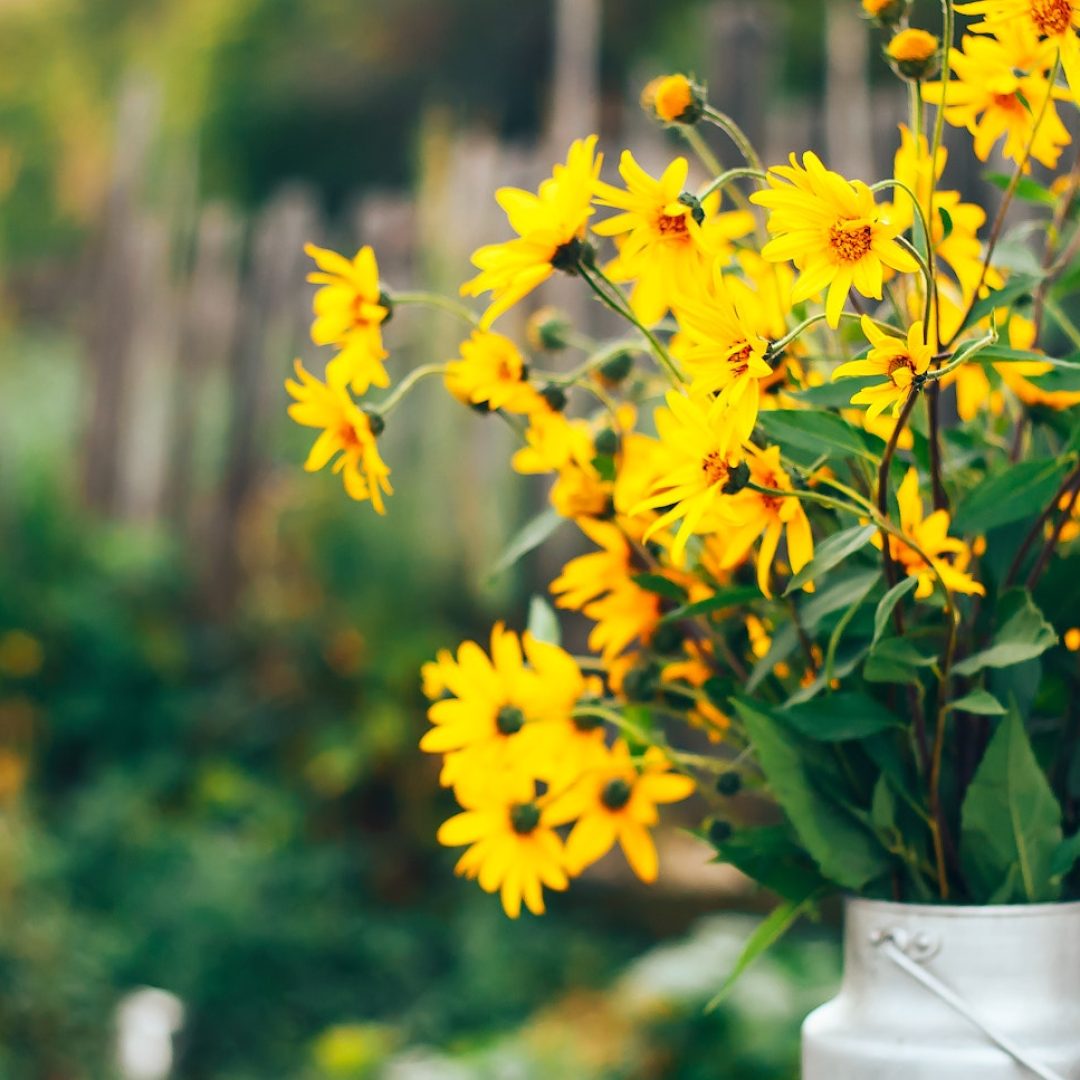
<point>1023,634</point>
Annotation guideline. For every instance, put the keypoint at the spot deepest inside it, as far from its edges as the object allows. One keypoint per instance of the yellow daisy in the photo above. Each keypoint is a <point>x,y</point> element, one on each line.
<point>897,360</point>
<point>665,243</point>
<point>349,312</point>
<point>617,803</point>
<point>833,231</point>
<point>513,849</point>
<point>550,227</point>
<point>492,373</point>
<point>347,431</point>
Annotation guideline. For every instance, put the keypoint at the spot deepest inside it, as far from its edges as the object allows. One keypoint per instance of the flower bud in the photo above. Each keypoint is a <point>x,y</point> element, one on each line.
<point>616,370</point>
<point>914,54</point>
<point>606,442</point>
<point>885,12</point>
<point>720,832</point>
<point>375,422</point>
<point>674,99</point>
<point>729,783</point>
<point>386,300</point>
<point>547,330</point>
<point>555,396</point>
<point>737,479</point>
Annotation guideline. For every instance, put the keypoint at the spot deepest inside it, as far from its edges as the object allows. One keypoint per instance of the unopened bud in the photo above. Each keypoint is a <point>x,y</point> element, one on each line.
<point>674,99</point>
<point>547,330</point>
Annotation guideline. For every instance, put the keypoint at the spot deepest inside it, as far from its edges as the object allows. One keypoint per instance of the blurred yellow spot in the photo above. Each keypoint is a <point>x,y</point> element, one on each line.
<point>352,1050</point>
<point>1072,639</point>
<point>21,654</point>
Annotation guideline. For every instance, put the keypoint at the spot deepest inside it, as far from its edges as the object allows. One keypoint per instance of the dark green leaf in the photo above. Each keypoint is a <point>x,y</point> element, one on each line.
<point>946,222</point>
<point>837,395</point>
<point>831,552</point>
<point>980,703</point>
<point>895,660</point>
<point>840,716</point>
<point>662,586</point>
<point>771,856</point>
<point>1017,493</point>
<point>816,432</point>
<point>1022,635</point>
<point>1010,823</point>
<point>888,602</point>
<point>723,598</point>
<point>1018,286</point>
<point>1027,189</point>
<point>531,536</point>
<point>1066,856</point>
<point>838,594</point>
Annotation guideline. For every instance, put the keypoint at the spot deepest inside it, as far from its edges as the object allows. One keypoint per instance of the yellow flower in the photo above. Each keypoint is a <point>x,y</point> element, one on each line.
<point>550,227</point>
<point>705,448</point>
<point>347,430</point>
<point>896,360</point>
<point>492,373</point>
<point>513,849</point>
<point>991,96</point>
<point>769,517</point>
<point>664,242</point>
<point>696,670</point>
<point>723,347</point>
<point>832,230</point>
<point>433,675</point>
<point>1072,639</point>
<point>931,534</point>
<point>490,728</point>
<point>618,803</point>
<point>600,586</point>
<point>1053,20</point>
<point>349,311</point>
<point>1017,377</point>
<point>886,10</point>
<point>674,99</point>
<point>913,45</point>
<point>552,442</point>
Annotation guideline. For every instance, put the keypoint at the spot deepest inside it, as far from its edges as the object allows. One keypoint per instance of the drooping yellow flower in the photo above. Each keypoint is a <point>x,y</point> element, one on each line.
<point>897,360</point>
<point>723,347</point>
<point>492,372</point>
<point>349,312</point>
<point>948,555</point>
<point>513,848</point>
<point>550,227</point>
<point>674,99</point>
<point>600,585</point>
<point>705,448</point>
<point>1055,21</point>
<point>1017,377</point>
<point>665,243</point>
<point>347,431</point>
<point>769,517</point>
<point>617,803</point>
<point>994,93</point>
<point>833,231</point>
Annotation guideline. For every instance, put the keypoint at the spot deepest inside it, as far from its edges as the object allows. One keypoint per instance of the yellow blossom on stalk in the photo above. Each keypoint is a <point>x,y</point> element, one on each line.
<point>948,555</point>
<point>994,93</point>
<point>769,517</point>
<point>492,373</point>
<point>705,448</point>
<point>1017,376</point>
<point>886,10</point>
<point>600,585</point>
<point>665,243</point>
<point>513,848</point>
<point>1055,21</point>
<point>834,232</point>
<point>552,442</point>
<point>617,803</point>
<point>550,227</point>
<point>491,728</point>
<point>913,44</point>
<point>347,431</point>
<point>696,669</point>
<point>723,348</point>
<point>349,312</point>
<point>897,360</point>
<point>674,99</point>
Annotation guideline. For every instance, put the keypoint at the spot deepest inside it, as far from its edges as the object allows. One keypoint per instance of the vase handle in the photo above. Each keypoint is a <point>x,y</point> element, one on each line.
<point>896,947</point>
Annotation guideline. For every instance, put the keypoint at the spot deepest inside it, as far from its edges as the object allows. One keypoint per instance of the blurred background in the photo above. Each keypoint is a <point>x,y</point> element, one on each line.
<point>217,853</point>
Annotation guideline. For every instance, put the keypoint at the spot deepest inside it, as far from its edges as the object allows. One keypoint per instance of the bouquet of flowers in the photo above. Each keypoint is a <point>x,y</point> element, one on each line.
<point>830,477</point>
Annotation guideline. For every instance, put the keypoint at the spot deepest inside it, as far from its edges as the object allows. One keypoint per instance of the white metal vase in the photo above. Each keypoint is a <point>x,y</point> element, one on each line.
<point>952,993</point>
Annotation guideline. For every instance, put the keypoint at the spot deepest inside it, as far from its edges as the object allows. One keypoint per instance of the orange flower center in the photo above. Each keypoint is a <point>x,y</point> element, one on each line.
<point>358,312</point>
<point>906,367</point>
<point>673,225</point>
<point>772,503</point>
<point>348,436</point>
<point>715,468</point>
<point>1009,102</point>
<point>739,361</point>
<point>1052,17</point>
<point>850,240</point>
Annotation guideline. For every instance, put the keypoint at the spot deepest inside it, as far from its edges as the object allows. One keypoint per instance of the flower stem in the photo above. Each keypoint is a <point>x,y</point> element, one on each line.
<point>726,178</point>
<point>737,136</point>
<point>436,300</point>
<point>389,404</point>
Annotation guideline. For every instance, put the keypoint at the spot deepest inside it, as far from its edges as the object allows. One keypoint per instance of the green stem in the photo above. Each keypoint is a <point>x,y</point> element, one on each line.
<point>436,300</point>
<point>1064,322</point>
<point>711,162</point>
<point>726,178</point>
<point>387,406</point>
<point>737,136</point>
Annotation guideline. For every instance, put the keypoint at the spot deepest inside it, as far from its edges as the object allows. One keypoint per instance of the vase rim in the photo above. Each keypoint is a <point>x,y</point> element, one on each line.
<point>966,911</point>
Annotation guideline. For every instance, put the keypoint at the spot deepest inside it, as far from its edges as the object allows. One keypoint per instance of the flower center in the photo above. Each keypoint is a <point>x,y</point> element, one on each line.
<point>850,240</point>
<point>349,439</point>
<point>509,720</point>
<point>1051,17</point>
<point>672,225</point>
<point>1008,102</point>
<point>901,371</point>
<point>616,794</point>
<point>714,467</point>
<point>524,817</point>
<point>739,361</point>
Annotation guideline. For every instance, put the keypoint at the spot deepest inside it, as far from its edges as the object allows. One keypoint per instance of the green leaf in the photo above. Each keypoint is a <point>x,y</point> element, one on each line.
<point>895,660</point>
<point>1019,285</point>
<point>662,586</point>
<point>831,552</point>
<point>838,394</point>
<point>1028,189</point>
<point>528,538</point>
<point>1066,856</point>
<point>980,703</point>
<point>771,856</point>
<point>806,782</point>
<point>770,930</point>
<point>946,222</point>
<point>838,717</point>
<point>1010,823</point>
<point>816,432</point>
<point>543,623</point>
<point>723,598</point>
<point>888,602</point>
<point>837,595</point>
<point>1017,493</point>
<point>1022,635</point>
